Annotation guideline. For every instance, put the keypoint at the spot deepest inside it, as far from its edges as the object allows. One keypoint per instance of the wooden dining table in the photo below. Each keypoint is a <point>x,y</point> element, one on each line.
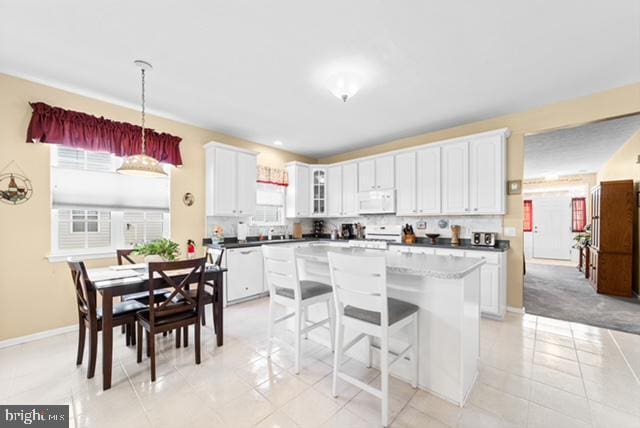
<point>109,286</point>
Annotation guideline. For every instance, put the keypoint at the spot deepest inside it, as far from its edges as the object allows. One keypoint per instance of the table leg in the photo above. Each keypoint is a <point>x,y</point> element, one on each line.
<point>107,338</point>
<point>218,307</point>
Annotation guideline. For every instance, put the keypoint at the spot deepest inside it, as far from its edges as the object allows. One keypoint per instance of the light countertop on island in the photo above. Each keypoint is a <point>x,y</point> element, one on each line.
<point>425,265</point>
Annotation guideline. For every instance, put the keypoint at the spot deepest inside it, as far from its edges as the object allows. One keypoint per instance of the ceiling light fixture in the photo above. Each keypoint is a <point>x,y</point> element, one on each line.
<point>142,165</point>
<point>344,85</point>
<point>277,143</point>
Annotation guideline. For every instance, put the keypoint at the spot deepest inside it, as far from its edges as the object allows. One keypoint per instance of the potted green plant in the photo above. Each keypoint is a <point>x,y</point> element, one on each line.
<point>582,239</point>
<point>160,250</point>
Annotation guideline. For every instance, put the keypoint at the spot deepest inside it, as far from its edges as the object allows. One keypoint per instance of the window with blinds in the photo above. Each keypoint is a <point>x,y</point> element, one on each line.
<point>269,205</point>
<point>95,209</point>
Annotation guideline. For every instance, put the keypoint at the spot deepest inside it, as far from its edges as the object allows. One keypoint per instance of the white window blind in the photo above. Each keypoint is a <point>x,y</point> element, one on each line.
<point>82,179</point>
<point>270,200</point>
<point>95,209</point>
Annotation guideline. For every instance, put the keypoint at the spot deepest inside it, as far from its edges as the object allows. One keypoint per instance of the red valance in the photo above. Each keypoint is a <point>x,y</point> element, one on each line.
<point>56,125</point>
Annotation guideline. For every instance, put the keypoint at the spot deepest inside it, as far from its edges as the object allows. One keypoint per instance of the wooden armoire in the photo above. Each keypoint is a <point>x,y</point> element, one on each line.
<point>613,229</point>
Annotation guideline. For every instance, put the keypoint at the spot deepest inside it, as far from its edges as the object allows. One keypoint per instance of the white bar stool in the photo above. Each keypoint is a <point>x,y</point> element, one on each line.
<point>286,289</point>
<point>360,292</point>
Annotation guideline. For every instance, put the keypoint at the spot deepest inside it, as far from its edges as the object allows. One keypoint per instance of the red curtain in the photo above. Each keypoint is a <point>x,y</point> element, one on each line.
<point>578,214</point>
<point>56,125</point>
<point>528,216</point>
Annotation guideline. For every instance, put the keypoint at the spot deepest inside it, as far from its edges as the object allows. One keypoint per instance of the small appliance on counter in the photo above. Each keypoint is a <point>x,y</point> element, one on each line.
<point>318,226</point>
<point>242,231</point>
<point>483,239</point>
<point>409,234</point>
<point>348,231</point>
<point>360,231</point>
<point>455,235</point>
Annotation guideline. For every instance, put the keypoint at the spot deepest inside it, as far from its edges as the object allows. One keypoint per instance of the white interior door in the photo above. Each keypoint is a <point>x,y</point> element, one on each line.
<point>552,228</point>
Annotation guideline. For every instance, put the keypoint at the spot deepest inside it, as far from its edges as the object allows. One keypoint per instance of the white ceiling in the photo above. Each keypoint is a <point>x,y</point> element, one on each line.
<point>579,150</point>
<point>256,69</point>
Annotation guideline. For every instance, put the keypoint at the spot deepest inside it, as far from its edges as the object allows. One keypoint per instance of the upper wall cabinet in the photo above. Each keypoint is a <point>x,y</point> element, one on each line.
<point>318,192</point>
<point>376,173</point>
<point>474,175</point>
<point>418,182</point>
<point>342,182</point>
<point>299,190</point>
<point>230,175</point>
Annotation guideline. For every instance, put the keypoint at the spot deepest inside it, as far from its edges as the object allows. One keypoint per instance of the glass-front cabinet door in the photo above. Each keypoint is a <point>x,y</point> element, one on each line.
<point>318,192</point>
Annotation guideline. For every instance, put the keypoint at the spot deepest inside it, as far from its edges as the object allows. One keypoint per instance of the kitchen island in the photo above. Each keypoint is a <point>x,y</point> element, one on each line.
<point>447,290</point>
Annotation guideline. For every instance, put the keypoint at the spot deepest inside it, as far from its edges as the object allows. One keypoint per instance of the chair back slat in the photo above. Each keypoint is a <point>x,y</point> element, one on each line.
<point>359,281</point>
<point>125,255</point>
<point>214,255</point>
<point>281,269</point>
<point>85,290</point>
<point>176,277</point>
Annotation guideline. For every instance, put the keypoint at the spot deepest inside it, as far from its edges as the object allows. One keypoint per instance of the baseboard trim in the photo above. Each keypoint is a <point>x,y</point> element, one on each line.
<point>36,336</point>
<point>515,310</point>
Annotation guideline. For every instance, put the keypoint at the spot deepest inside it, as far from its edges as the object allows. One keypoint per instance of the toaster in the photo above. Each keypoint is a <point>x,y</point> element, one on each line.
<point>483,239</point>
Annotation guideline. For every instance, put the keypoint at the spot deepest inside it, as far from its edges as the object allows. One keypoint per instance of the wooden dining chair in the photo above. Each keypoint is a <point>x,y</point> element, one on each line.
<point>210,295</point>
<point>173,313</point>
<point>90,317</point>
<point>123,256</point>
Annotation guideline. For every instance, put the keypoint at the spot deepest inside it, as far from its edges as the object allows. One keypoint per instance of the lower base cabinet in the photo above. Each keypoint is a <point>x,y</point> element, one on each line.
<point>493,280</point>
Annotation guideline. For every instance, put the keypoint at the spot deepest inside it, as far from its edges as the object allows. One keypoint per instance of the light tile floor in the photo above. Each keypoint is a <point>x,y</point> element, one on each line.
<point>535,372</point>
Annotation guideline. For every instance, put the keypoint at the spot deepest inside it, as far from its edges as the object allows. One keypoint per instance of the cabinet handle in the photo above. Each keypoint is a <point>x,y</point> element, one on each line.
<point>246,252</point>
<point>239,211</point>
<point>234,210</point>
<point>475,209</point>
<point>466,209</point>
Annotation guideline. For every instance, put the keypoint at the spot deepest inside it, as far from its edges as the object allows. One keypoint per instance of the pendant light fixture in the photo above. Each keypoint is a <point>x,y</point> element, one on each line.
<point>142,165</point>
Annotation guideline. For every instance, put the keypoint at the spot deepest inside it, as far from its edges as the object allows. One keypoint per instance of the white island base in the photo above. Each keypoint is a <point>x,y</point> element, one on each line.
<point>449,322</point>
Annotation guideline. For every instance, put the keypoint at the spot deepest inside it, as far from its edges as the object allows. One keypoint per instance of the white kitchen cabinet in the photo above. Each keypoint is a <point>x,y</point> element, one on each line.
<point>342,190</point>
<point>298,190</point>
<point>246,184</point>
<point>406,194</point>
<point>350,189</point>
<point>230,187</point>
<point>367,175</point>
<point>487,183</point>
<point>428,181</point>
<point>334,191</point>
<point>385,177</point>
<point>493,283</point>
<point>376,173</point>
<point>245,275</point>
<point>418,182</point>
<point>455,178</point>
<point>318,192</point>
<point>474,176</point>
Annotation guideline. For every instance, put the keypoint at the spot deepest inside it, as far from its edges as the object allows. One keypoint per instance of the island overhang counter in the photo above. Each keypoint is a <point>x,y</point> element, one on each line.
<point>447,290</point>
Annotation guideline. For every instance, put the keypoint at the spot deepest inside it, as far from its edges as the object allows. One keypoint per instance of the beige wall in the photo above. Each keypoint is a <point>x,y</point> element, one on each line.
<point>623,166</point>
<point>616,102</point>
<point>38,295</point>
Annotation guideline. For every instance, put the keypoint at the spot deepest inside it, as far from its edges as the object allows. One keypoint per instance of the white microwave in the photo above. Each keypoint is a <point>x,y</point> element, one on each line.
<point>377,202</point>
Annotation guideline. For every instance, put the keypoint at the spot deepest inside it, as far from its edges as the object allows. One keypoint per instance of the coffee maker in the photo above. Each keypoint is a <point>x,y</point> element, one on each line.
<point>348,231</point>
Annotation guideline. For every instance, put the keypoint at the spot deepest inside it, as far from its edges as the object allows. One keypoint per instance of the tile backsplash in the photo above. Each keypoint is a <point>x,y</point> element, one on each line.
<point>485,223</point>
<point>230,226</point>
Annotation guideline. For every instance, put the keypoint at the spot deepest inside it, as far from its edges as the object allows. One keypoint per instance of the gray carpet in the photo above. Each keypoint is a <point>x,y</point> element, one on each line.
<point>563,293</point>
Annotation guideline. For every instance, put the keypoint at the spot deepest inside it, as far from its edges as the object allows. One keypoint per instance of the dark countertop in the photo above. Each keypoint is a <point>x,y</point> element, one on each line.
<point>501,245</point>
